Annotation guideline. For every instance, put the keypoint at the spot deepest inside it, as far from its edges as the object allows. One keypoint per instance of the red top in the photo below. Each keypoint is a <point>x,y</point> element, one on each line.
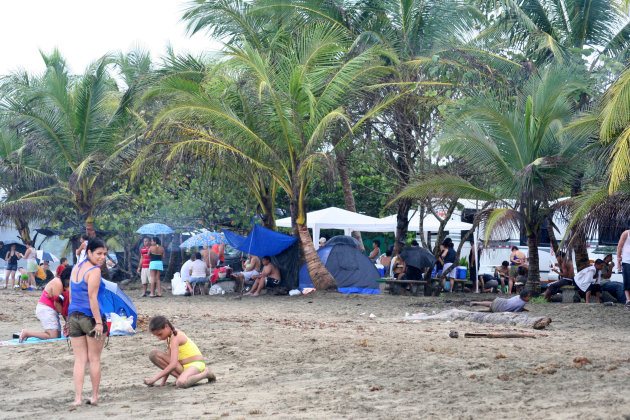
<point>146,260</point>
<point>60,270</point>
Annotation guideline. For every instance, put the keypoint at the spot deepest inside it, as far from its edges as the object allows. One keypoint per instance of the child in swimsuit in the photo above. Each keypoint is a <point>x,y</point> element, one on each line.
<point>182,359</point>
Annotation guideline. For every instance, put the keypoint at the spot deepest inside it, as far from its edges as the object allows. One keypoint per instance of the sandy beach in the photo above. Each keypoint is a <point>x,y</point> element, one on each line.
<point>323,356</point>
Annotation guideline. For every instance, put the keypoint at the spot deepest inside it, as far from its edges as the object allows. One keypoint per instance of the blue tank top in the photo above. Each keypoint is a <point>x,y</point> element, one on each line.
<point>79,300</point>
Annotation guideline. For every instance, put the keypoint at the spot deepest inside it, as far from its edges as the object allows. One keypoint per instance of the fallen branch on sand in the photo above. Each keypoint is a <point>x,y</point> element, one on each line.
<point>508,318</point>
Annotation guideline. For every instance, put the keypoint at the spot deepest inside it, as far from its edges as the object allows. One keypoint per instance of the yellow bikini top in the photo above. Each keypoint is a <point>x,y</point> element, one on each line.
<point>187,349</point>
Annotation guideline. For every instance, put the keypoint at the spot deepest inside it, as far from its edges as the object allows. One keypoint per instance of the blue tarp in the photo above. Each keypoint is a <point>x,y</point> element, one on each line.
<point>352,270</point>
<point>114,299</point>
<point>260,241</point>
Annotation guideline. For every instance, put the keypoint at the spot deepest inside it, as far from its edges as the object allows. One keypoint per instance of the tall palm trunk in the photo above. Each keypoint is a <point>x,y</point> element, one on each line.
<point>321,278</point>
<point>402,222</point>
<point>89,227</point>
<point>348,196</point>
<point>533,275</point>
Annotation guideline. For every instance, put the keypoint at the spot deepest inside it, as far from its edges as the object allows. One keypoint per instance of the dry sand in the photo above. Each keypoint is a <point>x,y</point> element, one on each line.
<point>322,357</point>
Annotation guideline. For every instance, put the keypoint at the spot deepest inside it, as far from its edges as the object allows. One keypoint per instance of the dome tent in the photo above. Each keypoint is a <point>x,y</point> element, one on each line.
<point>352,269</point>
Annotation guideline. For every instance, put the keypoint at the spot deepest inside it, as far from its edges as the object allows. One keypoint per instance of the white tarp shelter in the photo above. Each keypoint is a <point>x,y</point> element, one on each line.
<point>336,218</point>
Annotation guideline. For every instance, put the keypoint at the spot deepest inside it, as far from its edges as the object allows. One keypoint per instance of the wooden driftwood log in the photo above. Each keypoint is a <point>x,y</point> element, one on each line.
<point>500,335</point>
<point>517,319</point>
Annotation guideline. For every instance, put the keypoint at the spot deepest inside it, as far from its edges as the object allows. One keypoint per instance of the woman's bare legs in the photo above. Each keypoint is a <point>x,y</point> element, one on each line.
<point>31,280</point>
<point>44,335</point>
<point>13,273</point>
<point>80,350</point>
<point>94,350</point>
<point>156,287</point>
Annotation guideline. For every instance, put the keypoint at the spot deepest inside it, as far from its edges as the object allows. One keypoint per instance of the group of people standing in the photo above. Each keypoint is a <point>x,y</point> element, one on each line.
<point>32,267</point>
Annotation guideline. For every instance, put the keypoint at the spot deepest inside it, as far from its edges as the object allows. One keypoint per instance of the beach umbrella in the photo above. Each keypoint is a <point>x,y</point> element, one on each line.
<point>155,229</point>
<point>204,238</point>
<point>46,256</point>
<point>19,247</point>
<point>418,257</point>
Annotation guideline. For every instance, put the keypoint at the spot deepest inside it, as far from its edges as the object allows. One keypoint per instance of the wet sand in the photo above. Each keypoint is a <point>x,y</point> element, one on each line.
<point>323,356</point>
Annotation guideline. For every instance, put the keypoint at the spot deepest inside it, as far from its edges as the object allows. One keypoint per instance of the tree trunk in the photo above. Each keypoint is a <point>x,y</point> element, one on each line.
<point>321,278</point>
<point>552,237</point>
<point>267,209</point>
<point>89,227</point>
<point>402,222</point>
<point>533,274</point>
<point>348,196</point>
<point>23,230</point>
<point>579,238</point>
<point>172,260</point>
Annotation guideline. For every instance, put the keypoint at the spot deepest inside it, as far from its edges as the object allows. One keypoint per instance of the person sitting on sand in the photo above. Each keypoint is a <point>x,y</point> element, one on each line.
<point>182,359</point>
<point>502,273</point>
<point>489,284</point>
<point>587,280</point>
<point>615,288</point>
<point>48,309</point>
<point>513,304</point>
<point>251,267</point>
<point>270,277</point>
<point>565,275</point>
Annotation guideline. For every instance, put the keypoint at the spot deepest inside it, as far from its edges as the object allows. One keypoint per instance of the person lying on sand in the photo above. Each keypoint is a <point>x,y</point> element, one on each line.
<point>182,359</point>
<point>514,304</point>
<point>48,308</point>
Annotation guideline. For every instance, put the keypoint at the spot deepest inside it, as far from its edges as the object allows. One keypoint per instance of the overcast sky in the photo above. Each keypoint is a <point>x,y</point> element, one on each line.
<point>84,30</point>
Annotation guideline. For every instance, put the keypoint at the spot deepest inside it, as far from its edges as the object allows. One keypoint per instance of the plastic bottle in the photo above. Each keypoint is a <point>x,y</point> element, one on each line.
<point>122,313</point>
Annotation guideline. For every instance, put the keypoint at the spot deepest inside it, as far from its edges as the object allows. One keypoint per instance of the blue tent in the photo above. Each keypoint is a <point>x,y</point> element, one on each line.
<point>260,241</point>
<point>352,269</point>
<point>114,299</point>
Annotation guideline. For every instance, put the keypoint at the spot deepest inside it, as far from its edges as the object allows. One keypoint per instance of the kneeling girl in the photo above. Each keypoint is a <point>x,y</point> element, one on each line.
<point>182,359</point>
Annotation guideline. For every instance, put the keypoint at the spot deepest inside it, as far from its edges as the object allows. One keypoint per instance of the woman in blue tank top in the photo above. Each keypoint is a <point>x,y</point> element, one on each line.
<point>86,324</point>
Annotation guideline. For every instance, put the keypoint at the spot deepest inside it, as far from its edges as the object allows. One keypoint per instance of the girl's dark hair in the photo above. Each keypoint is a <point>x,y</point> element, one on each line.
<point>29,243</point>
<point>160,322</point>
<point>156,240</point>
<point>448,243</point>
<point>65,276</point>
<point>94,244</point>
<point>85,237</point>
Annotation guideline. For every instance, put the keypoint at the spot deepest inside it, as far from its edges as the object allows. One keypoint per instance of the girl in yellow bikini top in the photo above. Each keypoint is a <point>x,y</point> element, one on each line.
<point>183,360</point>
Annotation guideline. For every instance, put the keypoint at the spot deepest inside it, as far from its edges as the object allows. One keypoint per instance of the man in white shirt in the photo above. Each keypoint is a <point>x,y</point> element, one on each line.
<point>185,271</point>
<point>198,271</point>
<point>587,280</point>
<point>623,262</point>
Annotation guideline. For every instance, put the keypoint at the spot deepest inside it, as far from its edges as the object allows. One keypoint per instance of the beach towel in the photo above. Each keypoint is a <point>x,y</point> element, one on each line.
<point>30,340</point>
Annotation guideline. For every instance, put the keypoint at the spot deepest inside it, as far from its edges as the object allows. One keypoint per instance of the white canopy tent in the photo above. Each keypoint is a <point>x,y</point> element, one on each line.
<point>430,223</point>
<point>336,218</point>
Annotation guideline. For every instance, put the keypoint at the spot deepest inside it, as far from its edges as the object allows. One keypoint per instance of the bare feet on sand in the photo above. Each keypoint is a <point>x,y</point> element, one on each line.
<point>22,336</point>
<point>76,403</point>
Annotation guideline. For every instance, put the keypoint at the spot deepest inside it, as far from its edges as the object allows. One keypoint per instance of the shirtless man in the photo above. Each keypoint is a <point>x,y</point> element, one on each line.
<point>251,267</point>
<point>270,277</point>
<point>517,259</point>
<point>565,275</point>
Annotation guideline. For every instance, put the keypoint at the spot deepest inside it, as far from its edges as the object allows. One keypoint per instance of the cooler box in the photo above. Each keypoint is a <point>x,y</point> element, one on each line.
<point>460,272</point>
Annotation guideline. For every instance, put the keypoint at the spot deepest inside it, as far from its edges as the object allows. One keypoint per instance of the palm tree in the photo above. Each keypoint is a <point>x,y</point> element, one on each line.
<point>434,50</point>
<point>525,151</point>
<point>18,177</point>
<point>541,29</point>
<point>78,126</point>
<point>296,91</point>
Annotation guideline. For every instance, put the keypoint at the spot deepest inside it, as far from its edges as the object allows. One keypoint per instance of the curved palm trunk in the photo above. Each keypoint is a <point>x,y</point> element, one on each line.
<point>321,278</point>
<point>267,209</point>
<point>533,276</point>
<point>582,260</point>
<point>23,230</point>
<point>348,196</point>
